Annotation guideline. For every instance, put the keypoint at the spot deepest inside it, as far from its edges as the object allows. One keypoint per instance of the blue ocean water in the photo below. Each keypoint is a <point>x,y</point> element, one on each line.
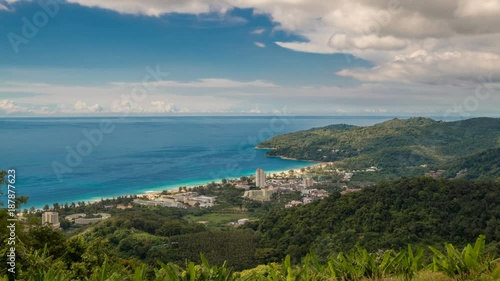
<point>66,160</point>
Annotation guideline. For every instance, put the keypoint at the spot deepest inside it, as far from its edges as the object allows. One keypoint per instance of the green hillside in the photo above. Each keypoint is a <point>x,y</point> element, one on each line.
<point>394,143</point>
<point>389,215</point>
<point>485,164</point>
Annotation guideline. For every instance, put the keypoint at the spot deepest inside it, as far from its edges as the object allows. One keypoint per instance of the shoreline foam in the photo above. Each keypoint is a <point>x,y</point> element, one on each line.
<point>188,185</point>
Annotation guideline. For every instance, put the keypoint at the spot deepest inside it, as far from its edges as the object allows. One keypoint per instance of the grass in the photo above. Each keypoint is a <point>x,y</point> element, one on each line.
<point>219,220</point>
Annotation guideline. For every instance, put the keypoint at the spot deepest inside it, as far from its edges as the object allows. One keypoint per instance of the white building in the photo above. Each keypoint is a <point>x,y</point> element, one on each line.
<point>51,218</point>
<point>84,221</point>
<point>259,195</point>
<point>242,221</point>
<point>75,216</point>
<point>260,178</point>
<point>308,182</point>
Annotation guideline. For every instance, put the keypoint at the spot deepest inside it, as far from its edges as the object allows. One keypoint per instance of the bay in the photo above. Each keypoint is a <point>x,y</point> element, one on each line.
<point>139,154</point>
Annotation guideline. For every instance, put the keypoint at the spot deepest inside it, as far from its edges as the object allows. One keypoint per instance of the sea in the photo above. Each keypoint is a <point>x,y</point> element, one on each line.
<point>67,160</point>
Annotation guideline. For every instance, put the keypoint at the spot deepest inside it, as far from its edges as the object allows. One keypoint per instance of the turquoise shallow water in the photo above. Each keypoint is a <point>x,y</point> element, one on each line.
<point>135,155</point>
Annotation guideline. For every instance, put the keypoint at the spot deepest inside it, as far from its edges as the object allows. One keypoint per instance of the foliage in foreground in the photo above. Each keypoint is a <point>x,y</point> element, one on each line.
<point>407,264</point>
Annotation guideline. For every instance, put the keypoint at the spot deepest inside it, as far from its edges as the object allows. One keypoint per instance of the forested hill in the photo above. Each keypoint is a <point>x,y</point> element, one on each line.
<point>388,215</point>
<point>394,143</point>
<point>485,164</point>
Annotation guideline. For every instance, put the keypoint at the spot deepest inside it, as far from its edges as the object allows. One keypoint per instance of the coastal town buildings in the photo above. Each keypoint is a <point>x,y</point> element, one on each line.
<point>179,200</point>
<point>81,218</point>
<point>51,218</point>
<point>71,218</point>
<point>258,195</point>
<point>98,217</point>
<point>308,182</point>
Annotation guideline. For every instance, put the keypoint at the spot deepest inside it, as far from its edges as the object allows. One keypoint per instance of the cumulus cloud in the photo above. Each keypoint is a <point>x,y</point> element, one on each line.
<point>83,107</point>
<point>449,42</point>
<point>459,36</point>
<point>162,107</point>
<point>454,68</point>
<point>255,110</point>
<point>377,30</point>
<point>9,107</point>
<point>157,107</point>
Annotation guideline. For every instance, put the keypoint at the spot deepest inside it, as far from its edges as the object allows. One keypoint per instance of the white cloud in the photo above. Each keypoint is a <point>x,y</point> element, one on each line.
<point>454,68</point>
<point>82,107</point>
<point>2,7</point>
<point>382,30</point>
<point>255,110</point>
<point>377,30</point>
<point>157,7</point>
<point>258,31</point>
<point>474,8</point>
<point>259,44</point>
<point>124,106</point>
<point>162,107</point>
<point>9,107</point>
<point>201,83</point>
<point>157,107</point>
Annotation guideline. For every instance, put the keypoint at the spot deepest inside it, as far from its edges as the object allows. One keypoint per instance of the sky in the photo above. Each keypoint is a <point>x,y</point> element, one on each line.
<point>249,57</point>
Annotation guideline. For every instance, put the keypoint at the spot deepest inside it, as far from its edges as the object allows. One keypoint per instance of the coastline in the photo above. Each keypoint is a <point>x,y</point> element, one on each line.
<point>174,188</point>
<point>188,184</point>
<point>283,157</point>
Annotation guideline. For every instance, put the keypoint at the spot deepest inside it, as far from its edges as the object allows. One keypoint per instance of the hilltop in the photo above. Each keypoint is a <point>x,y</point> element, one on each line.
<point>394,143</point>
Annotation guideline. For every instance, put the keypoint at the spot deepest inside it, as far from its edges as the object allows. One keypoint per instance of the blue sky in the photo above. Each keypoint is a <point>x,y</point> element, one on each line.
<point>234,57</point>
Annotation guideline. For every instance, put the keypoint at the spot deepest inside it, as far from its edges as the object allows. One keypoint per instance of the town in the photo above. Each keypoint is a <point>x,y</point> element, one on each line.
<point>263,187</point>
<point>295,187</point>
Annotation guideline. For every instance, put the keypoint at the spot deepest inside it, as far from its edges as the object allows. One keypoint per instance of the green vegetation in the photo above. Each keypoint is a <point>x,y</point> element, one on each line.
<point>389,215</point>
<point>406,264</point>
<point>357,236</point>
<point>485,164</point>
<point>397,143</point>
<point>218,220</point>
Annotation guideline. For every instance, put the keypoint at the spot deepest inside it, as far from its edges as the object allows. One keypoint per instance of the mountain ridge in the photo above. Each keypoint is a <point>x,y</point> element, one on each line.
<point>393,143</point>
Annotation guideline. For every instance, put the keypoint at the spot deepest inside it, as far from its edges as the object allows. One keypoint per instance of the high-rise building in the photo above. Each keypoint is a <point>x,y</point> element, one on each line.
<point>260,178</point>
<point>51,218</point>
